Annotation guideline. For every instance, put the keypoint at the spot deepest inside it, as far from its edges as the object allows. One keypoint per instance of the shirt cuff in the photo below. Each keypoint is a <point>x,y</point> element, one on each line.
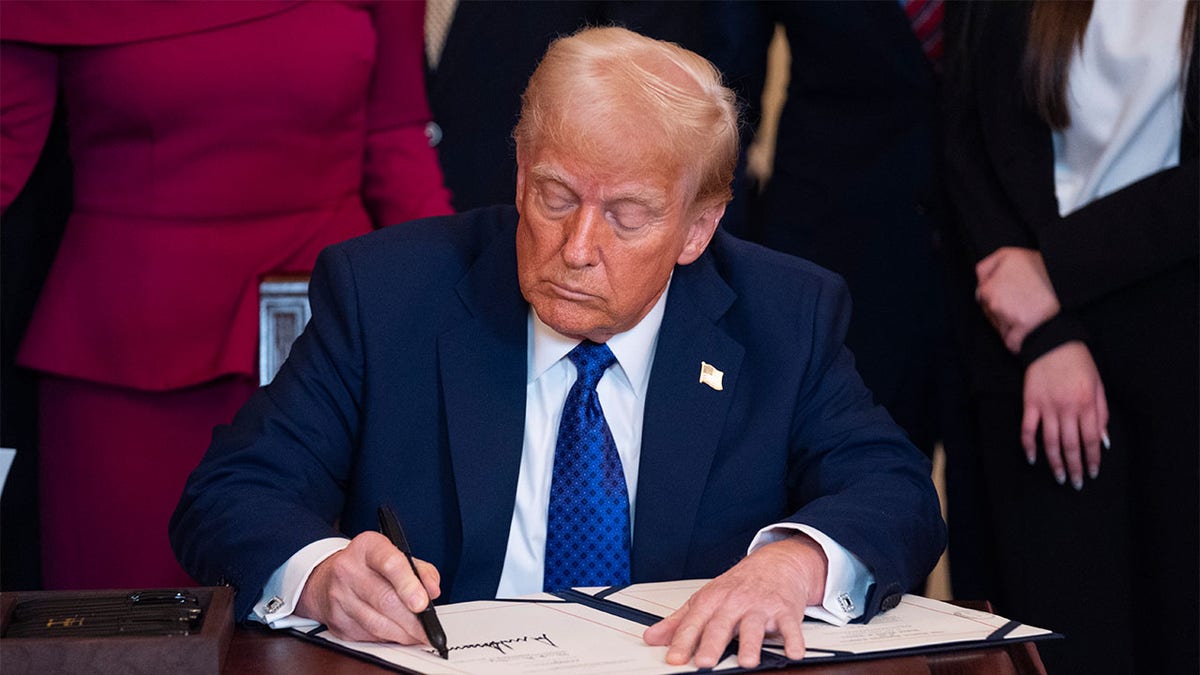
<point>282,590</point>
<point>846,581</point>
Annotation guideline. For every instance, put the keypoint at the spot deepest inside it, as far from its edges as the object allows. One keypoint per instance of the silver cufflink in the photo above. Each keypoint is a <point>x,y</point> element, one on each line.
<point>846,603</point>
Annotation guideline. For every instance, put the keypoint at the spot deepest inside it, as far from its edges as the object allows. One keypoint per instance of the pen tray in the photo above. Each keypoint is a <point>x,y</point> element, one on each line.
<point>202,650</point>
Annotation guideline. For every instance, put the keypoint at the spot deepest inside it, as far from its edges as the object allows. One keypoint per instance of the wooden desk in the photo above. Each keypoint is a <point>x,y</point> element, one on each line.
<point>256,649</point>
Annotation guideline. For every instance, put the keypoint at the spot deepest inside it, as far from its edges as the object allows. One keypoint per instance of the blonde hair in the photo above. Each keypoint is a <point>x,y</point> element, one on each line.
<point>592,86</point>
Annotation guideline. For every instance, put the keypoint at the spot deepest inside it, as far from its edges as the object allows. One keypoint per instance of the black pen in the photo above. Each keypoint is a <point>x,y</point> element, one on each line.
<point>389,525</point>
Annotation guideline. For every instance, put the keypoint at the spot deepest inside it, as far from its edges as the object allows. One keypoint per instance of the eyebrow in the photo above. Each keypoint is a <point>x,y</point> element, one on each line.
<point>645,196</point>
<point>545,172</point>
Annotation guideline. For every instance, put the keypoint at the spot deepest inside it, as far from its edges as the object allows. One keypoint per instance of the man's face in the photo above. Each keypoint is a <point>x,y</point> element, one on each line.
<point>596,244</point>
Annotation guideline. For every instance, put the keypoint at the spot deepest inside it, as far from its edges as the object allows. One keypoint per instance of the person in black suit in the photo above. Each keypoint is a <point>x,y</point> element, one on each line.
<point>1072,145</point>
<point>854,188</point>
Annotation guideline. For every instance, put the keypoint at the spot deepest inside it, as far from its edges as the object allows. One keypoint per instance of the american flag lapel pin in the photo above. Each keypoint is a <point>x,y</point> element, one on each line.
<point>711,376</point>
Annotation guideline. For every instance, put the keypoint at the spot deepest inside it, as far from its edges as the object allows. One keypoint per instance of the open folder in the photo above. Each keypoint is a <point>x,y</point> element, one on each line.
<point>599,630</point>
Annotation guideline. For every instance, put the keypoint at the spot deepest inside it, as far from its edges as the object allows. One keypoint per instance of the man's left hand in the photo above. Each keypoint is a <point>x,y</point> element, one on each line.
<point>765,593</point>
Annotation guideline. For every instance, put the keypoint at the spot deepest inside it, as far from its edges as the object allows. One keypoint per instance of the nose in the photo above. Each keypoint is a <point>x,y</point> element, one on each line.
<point>583,233</point>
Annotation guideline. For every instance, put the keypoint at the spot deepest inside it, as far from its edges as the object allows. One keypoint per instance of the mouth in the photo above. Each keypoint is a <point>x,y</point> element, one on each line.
<point>569,292</point>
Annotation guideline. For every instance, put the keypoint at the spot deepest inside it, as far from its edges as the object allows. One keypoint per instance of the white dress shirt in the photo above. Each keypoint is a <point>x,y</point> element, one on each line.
<point>1125,97</point>
<point>622,393</point>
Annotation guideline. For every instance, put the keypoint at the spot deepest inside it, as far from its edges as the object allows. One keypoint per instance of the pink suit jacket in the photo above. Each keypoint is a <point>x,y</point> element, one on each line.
<point>212,144</point>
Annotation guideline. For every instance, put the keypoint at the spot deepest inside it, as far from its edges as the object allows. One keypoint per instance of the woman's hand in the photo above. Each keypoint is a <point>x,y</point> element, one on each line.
<point>1065,397</point>
<point>1015,293</point>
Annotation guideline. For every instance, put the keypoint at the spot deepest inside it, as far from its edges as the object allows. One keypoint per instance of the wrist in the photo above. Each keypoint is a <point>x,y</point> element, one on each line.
<point>1052,333</point>
<point>808,563</point>
<point>308,605</point>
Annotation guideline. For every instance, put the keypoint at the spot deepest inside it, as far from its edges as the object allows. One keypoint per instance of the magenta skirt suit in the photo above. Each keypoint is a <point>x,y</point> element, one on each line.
<point>213,144</point>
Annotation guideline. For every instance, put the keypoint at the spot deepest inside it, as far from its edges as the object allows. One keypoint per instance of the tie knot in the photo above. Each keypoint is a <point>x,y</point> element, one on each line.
<point>591,360</point>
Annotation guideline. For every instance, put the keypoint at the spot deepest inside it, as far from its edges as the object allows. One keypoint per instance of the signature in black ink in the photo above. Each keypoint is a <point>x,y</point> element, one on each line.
<point>503,646</point>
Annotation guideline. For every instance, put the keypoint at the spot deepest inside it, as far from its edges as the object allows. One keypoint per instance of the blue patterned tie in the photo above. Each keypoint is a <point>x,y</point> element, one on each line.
<point>587,523</point>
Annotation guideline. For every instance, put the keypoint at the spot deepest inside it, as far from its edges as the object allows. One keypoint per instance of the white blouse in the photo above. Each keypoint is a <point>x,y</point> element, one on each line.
<point>1125,97</point>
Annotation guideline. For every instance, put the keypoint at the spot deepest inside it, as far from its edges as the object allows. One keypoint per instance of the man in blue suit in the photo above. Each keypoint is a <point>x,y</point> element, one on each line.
<point>437,367</point>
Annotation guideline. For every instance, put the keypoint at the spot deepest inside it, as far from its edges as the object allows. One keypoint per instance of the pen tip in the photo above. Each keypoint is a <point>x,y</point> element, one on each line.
<point>444,653</point>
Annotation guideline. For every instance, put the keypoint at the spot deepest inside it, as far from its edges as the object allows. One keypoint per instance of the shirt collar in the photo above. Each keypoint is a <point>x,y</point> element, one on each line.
<point>634,348</point>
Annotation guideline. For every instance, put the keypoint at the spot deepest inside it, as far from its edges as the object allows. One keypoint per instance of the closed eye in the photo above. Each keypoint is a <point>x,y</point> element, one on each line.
<point>631,215</point>
<point>555,198</point>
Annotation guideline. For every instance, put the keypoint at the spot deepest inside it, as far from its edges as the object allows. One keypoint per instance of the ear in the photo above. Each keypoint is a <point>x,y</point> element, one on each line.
<point>520,196</point>
<point>700,232</point>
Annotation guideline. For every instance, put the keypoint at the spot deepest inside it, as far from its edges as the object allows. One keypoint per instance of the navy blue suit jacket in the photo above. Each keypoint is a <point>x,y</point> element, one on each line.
<point>408,388</point>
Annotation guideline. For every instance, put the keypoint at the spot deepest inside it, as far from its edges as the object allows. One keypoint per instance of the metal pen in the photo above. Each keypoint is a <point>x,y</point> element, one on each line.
<point>389,525</point>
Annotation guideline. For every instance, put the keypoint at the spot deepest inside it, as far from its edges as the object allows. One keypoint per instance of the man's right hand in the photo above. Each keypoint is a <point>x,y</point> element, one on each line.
<point>367,592</point>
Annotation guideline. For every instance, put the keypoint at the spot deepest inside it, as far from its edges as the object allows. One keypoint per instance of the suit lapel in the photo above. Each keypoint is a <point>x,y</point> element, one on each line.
<point>1018,142</point>
<point>483,372</point>
<point>683,419</point>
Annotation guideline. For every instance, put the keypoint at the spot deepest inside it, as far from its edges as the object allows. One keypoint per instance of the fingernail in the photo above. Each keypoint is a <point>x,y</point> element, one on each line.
<point>1031,459</point>
<point>1105,442</point>
<point>1093,472</point>
<point>1077,483</point>
<point>1060,477</point>
<point>416,601</point>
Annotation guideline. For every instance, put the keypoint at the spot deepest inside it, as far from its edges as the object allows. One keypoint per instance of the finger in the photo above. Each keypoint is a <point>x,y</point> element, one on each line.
<point>388,562</point>
<point>1072,456</point>
<point>1090,431</point>
<point>1102,405</point>
<point>680,632</point>
<point>714,640</point>
<point>986,308</point>
<point>1029,427</point>
<point>353,615</point>
<point>1050,442</point>
<point>999,326</point>
<point>660,634</point>
<point>791,629</point>
<point>1014,335</point>
<point>431,579</point>
<point>377,626</point>
<point>989,312</point>
<point>750,638</point>
<point>984,268</point>
<point>684,642</point>
<point>983,292</point>
<point>994,319</point>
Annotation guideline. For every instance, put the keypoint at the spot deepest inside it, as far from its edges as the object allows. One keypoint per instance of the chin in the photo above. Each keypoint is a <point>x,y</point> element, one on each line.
<point>571,329</point>
<point>567,321</point>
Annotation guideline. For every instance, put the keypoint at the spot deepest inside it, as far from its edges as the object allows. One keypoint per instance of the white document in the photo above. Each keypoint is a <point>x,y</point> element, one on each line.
<point>659,599</point>
<point>510,637</point>
<point>544,634</point>
<point>915,623</point>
